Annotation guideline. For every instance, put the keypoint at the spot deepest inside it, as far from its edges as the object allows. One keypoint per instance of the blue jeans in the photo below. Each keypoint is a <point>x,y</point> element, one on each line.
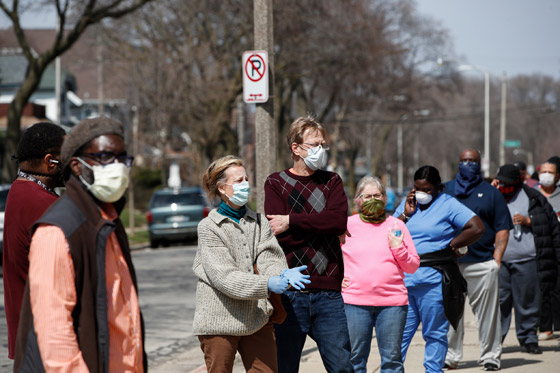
<point>321,316</point>
<point>425,305</point>
<point>389,326</point>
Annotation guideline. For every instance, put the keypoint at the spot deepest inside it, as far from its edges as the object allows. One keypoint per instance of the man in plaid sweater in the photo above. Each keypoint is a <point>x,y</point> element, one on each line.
<point>307,208</point>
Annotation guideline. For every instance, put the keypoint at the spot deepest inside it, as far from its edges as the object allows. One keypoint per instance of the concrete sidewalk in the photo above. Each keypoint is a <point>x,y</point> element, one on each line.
<point>513,357</point>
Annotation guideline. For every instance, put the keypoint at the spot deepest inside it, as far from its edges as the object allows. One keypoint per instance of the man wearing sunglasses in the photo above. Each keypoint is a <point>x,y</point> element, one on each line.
<point>80,310</point>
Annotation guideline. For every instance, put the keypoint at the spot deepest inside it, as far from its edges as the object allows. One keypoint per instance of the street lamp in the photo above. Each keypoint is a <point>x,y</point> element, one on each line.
<point>486,155</point>
<point>400,172</point>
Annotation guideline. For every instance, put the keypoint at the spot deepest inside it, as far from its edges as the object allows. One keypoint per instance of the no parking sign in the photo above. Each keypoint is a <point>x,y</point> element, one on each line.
<point>255,76</point>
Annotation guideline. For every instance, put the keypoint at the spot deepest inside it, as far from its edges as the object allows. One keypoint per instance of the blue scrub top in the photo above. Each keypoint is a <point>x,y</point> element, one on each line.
<point>432,230</point>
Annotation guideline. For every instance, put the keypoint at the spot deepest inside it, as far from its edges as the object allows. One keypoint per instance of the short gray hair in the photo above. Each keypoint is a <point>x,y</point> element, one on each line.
<point>367,180</point>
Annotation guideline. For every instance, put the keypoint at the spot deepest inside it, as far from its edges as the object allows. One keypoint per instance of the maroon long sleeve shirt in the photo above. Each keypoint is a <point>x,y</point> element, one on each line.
<point>318,210</point>
<point>26,203</point>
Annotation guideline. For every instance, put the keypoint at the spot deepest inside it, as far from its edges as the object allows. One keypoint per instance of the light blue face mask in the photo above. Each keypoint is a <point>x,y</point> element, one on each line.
<point>241,193</point>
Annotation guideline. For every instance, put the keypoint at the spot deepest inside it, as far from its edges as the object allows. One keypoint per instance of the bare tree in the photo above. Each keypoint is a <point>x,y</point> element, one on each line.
<point>340,59</point>
<point>333,58</point>
<point>74,18</point>
<point>533,117</point>
<point>185,59</point>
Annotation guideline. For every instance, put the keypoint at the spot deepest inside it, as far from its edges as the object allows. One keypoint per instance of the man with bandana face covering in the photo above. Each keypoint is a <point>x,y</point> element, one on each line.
<point>32,192</point>
<point>481,264</point>
<point>80,310</point>
<point>530,261</point>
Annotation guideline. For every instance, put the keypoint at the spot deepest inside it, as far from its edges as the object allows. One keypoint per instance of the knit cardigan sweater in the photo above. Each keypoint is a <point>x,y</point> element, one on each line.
<point>230,298</point>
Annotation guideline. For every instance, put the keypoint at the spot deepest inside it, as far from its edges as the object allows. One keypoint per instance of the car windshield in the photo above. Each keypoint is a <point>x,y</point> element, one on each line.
<point>3,197</point>
<point>181,199</point>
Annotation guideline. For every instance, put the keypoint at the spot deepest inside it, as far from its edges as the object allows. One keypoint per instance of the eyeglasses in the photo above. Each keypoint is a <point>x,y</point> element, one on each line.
<point>323,145</point>
<point>370,196</point>
<point>106,158</point>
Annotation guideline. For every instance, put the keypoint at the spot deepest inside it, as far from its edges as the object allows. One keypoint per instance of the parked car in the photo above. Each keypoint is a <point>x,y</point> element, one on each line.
<point>3,196</point>
<point>174,214</point>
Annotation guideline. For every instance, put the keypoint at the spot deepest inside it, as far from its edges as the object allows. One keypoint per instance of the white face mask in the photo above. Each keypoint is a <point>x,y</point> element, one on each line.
<point>423,198</point>
<point>546,179</point>
<point>316,158</point>
<point>109,181</point>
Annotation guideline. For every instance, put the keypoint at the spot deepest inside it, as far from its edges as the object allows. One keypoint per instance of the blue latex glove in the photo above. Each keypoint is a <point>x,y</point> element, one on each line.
<point>277,284</point>
<point>296,278</point>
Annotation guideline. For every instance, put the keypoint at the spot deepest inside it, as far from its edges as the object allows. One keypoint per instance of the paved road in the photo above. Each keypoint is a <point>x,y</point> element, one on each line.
<point>167,290</point>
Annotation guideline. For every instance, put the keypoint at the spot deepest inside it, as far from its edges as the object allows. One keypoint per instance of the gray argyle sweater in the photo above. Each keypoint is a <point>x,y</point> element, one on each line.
<point>230,298</point>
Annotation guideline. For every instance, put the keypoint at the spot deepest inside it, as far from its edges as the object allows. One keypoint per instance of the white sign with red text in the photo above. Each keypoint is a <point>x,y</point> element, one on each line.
<point>255,77</point>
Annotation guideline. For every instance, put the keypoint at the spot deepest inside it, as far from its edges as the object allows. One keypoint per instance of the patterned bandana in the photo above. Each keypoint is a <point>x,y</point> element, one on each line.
<point>509,191</point>
<point>373,211</point>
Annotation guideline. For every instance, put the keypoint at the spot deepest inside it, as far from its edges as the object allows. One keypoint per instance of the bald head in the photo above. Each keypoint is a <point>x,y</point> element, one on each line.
<point>470,155</point>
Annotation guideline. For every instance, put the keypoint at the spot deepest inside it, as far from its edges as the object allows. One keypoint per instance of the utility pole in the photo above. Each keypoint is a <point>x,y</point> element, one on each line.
<point>265,133</point>
<point>503,121</point>
<point>101,105</point>
<point>131,222</point>
<point>400,185</point>
<point>486,158</point>
<point>57,76</point>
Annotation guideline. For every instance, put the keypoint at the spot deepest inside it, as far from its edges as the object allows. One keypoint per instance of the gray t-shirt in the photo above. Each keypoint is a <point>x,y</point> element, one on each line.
<point>554,200</point>
<point>522,249</point>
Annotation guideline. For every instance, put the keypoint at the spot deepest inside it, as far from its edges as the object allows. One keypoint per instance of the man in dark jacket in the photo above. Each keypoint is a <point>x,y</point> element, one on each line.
<point>531,257</point>
<point>80,310</point>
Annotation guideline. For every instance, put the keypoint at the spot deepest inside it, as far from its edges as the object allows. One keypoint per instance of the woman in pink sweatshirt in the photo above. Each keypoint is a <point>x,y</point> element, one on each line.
<point>377,251</point>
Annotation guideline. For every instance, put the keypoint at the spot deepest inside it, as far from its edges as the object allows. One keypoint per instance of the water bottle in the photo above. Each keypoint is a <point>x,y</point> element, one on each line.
<point>396,229</point>
<point>516,229</point>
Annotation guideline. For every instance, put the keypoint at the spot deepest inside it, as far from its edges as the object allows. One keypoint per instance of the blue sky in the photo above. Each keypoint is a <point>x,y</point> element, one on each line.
<point>511,36</point>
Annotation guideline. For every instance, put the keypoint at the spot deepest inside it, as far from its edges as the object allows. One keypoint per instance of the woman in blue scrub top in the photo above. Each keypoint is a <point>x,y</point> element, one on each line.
<point>438,224</point>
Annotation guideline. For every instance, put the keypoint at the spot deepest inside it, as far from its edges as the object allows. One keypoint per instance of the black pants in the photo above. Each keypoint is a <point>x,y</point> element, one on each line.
<point>519,289</point>
<point>550,309</point>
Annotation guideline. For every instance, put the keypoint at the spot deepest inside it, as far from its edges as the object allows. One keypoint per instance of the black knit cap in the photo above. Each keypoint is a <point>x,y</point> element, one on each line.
<point>83,133</point>
<point>509,174</point>
<point>39,140</point>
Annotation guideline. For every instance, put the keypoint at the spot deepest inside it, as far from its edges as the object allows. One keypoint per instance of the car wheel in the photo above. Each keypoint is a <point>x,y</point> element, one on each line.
<point>154,243</point>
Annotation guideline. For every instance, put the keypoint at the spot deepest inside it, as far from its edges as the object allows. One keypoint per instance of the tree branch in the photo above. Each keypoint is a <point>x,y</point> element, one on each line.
<point>20,35</point>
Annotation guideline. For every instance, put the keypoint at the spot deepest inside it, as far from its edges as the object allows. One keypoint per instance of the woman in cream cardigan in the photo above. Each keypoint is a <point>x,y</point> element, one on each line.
<point>232,311</point>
